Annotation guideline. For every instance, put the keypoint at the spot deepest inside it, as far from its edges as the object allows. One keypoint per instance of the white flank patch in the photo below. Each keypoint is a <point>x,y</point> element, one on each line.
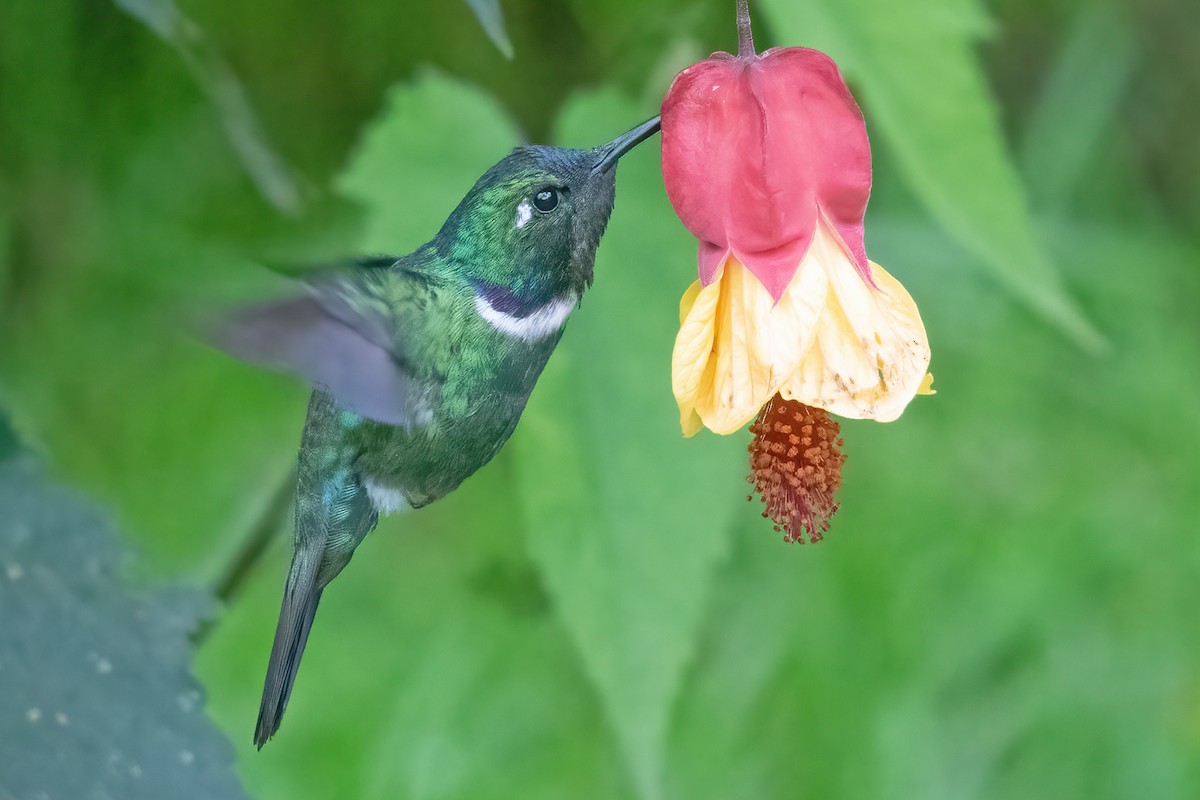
<point>420,406</point>
<point>535,327</point>
<point>386,499</point>
<point>524,214</point>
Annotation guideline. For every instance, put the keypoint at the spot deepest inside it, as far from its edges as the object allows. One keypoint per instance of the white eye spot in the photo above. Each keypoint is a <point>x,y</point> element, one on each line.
<point>524,214</point>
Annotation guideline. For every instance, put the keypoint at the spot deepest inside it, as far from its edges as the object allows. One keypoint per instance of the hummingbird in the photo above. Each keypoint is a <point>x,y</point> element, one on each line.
<point>422,364</point>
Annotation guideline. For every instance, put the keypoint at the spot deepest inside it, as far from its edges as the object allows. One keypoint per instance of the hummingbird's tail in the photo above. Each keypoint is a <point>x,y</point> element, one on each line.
<point>334,513</point>
<point>300,599</point>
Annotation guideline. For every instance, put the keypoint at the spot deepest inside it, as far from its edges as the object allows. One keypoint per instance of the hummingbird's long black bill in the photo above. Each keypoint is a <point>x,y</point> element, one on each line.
<point>609,153</point>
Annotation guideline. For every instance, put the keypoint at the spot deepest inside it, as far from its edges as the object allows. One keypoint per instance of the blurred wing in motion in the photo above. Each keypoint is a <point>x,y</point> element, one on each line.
<point>337,345</point>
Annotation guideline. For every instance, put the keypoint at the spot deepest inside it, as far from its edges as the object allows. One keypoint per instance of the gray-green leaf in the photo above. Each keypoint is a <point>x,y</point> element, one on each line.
<point>98,701</point>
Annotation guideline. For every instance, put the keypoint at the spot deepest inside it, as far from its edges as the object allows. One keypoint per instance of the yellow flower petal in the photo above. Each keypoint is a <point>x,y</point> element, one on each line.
<point>688,300</point>
<point>736,346</point>
<point>871,351</point>
<point>831,341</point>
<point>926,386</point>
<point>693,346</point>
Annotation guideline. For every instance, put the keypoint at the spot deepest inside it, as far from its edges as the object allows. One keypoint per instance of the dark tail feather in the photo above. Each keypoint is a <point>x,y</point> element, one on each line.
<point>300,599</point>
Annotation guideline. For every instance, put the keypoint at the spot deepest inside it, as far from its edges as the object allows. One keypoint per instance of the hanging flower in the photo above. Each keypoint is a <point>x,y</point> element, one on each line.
<point>766,160</point>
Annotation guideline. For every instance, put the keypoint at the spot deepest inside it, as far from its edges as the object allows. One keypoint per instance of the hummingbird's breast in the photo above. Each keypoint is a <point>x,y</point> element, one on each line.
<point>465,412</point>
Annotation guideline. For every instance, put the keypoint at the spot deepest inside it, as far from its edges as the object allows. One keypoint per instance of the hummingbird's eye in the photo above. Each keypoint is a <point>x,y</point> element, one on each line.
<point>546,200</point>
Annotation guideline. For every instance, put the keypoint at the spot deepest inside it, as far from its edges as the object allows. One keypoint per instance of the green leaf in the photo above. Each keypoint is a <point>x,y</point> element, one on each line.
<point>1078,105</point>
<point>227,95</point>
<point>924,91</point>
<point>483,711</point>
<point>412,165</point>
<point>625,518</point>
<point>492,19</point>
<point>98,700</point>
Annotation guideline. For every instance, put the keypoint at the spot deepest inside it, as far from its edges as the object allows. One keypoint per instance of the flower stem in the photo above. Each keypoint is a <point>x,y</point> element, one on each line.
<point>745,35</point>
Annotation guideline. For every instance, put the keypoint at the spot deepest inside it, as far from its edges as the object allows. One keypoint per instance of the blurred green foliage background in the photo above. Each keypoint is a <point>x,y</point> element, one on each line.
<point>1005,607</point>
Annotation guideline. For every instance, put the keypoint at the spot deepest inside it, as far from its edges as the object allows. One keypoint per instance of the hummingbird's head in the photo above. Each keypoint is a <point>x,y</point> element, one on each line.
<point>532,223</point>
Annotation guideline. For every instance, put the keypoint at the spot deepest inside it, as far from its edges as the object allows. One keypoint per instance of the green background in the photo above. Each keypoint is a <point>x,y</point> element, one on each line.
<point>1005,605</point>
